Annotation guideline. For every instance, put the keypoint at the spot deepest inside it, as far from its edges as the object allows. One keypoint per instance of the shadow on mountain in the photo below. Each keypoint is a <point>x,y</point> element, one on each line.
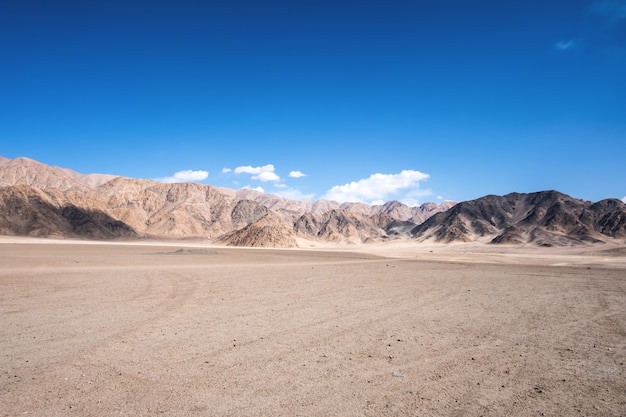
<point>26,211</point>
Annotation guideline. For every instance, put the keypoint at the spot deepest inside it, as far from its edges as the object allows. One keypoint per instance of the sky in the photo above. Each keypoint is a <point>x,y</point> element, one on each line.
<point>367,101</point>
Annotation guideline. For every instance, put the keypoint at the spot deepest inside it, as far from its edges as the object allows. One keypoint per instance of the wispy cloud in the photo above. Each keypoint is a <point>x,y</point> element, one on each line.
<point>297,174</point>
<point>565,45</point>
<point>294,194</point>
<point>603,30</point>
<point>624,199</point>
<point>612,11</point>
<point>185,176</point>
<point>226,170</point>
<point>607,26</point>
<point>379,188</point>
<point>263,173</point>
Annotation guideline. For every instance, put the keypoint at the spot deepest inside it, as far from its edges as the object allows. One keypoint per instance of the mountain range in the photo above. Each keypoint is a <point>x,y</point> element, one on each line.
<point>45,201</point>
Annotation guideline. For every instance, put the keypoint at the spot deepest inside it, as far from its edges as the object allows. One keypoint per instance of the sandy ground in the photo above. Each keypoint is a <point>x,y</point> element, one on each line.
<point>188,329</point>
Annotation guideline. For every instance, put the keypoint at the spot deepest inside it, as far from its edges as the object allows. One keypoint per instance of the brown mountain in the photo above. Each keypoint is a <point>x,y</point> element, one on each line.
<point>40,200</point>
<point>30,172</point>
<point>340,225</point>
<point>29,211</point>
<point>544,218</point>
<point>268,231</point>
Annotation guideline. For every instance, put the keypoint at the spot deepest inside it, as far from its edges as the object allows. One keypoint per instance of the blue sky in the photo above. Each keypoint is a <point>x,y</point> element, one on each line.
<point>355,101</point>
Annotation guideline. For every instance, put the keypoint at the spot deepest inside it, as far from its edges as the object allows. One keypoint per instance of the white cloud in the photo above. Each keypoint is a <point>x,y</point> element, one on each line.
<point>297,174</point>
<point>624,199</point>
<point>264,173</point>
<point>185,176</point>
<point>249,187</point>
<point>226,170</point>
<point>254,170</point>
<point>380,188</point>
<point>266,176</point>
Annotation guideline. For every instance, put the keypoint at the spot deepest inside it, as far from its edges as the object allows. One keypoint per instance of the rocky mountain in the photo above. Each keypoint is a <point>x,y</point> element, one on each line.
<point>396,209</point>
<point>547,218</point>
<point>341,225</point>
<point>40,200</point>
<point>30,172</point>
<point>267,231</point>
<point>29,211</point>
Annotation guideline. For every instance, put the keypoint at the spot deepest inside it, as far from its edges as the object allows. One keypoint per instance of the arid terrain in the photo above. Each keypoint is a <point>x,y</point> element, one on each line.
<point>173,329</point>
<point>39,200</point>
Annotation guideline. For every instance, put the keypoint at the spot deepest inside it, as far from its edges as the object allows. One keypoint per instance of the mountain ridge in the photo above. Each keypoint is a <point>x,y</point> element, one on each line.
<point>41,200</point>
<point>546,218</point>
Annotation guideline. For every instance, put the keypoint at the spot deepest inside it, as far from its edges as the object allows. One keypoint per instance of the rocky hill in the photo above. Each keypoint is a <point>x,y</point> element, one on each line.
<point>547,218</point>
<point>267,231</point>
<point>40,200</point>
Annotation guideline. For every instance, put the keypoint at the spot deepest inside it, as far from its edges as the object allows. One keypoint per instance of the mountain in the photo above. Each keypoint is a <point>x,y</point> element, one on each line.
<point>268,231</point>
<point>30,172</point>
<point>29,211</point>
<point>41,200</point>
<point>547,218</point>
<point>395,208</point>
<point>340,225</point>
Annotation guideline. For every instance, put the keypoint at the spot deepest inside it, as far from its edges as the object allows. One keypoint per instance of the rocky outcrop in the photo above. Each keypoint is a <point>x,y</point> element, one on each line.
<point>268,231</point>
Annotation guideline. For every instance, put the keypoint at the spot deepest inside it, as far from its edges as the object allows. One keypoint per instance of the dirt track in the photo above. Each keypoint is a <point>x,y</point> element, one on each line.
<point>100,330</point>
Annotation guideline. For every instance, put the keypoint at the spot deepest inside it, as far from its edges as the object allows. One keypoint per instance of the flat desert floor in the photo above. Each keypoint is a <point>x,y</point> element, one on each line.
<point>390,330</point>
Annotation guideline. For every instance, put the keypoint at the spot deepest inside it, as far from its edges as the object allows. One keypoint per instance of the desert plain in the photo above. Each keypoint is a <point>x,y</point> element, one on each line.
<point>189,328</point>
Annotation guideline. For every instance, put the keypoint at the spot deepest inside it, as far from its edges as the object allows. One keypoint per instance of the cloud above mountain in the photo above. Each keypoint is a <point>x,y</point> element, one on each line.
<point>297,174</point>
<point>263,173</point>
<point>378,188</point>
<point>185,176</point>
<point>249,187</point>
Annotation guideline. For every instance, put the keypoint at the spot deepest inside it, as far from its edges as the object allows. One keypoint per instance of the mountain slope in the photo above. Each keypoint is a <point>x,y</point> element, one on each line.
<point>544,218</point>
<point>339,225</point>
<point>268,231</point>
<point>30,172</point>
<point>28,211</point>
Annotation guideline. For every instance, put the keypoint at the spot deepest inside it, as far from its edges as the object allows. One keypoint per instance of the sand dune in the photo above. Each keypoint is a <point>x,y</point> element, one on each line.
<point>186,328</point>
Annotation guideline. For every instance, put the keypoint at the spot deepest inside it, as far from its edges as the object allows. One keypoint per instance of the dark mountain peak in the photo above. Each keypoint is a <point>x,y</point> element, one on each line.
<point>545,217</point>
